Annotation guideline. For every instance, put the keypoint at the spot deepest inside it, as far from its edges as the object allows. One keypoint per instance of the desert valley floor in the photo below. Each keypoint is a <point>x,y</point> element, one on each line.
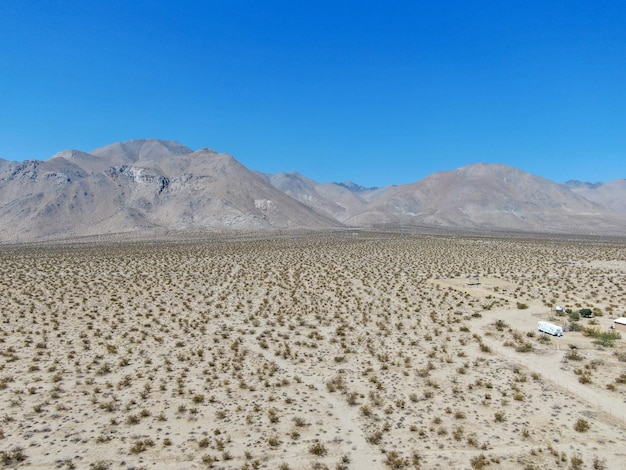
<point>349,350</point>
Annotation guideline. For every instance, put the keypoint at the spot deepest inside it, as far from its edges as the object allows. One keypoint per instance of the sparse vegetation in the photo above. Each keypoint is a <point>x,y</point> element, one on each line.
<point>582,425</point>
<point>318,449</point>
<point>318,346</point>
<point>573,355</point>
<point>141,445</point>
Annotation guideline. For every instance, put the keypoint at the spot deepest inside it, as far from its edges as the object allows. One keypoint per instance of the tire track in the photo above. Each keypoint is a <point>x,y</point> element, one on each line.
<point>363,455</point>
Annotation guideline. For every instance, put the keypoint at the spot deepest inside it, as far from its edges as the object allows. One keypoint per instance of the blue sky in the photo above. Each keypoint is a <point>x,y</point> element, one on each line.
<point>374,92</point>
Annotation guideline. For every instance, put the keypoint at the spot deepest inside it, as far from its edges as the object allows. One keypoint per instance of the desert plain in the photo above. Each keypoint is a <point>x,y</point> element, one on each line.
<point>345,350</point>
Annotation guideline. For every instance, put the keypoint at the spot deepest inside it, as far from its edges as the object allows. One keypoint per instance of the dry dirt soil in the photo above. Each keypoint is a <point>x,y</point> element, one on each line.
<point>328,351</point>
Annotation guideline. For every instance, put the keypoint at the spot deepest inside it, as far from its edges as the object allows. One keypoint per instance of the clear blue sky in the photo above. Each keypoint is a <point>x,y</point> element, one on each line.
<point>375,92</point>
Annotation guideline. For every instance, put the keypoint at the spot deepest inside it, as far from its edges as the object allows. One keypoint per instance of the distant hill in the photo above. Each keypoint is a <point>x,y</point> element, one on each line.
<point>575,184</point>
<point>611,195</point>
<point>151,186</point>
<point>355,188</point>
<point>336,200</point>
<point>491,197</point>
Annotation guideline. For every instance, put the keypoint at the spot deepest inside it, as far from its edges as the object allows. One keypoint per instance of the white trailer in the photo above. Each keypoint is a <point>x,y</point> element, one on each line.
<point>550,328</point>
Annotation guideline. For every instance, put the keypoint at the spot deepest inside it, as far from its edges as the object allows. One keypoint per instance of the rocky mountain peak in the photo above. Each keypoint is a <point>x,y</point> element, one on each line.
<point>141,149</point>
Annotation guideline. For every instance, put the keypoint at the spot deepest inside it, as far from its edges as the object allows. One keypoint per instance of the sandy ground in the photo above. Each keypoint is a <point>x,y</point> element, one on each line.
<point>355,351</point>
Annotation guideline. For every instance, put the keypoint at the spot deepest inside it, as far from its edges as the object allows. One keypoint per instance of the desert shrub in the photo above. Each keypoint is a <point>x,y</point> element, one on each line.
<point>394,460</point>
<point>545,339</point>
<point>591,332</point>
<point>576,462</point>
<point>607,338</point>
<point>9,457</point>
<point>273,415</point>
<point>599,464</point>
<point>100,465</point>
<point>582,425</point>
<point>574,316</point>
<point>203,443</point>
<point>141,445</point>
<point>104,369</point>
<point>336,383</point>
<point>375,438</point>
<point>501,325</point>
<point>132,419</point>
<point>524,347</point>
<point>573,355</point>
<point>573,326</point>
<point>319,449</point>
<point>299,421</point>
<point>209,460</point>
<point>366,410</point>
<point>478,462</point>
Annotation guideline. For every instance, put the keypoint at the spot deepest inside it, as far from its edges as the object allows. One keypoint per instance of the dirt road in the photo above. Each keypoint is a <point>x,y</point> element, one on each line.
<point>548,361</point>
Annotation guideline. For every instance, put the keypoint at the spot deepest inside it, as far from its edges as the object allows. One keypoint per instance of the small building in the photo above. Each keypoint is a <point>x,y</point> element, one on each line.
<point>620,324</point>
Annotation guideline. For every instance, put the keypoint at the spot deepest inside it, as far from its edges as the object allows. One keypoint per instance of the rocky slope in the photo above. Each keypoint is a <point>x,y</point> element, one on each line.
<point>152,186</point>
<point>492,197</point>
<point>142,185</point>
<point>611,195</point>
<point>337,200</point>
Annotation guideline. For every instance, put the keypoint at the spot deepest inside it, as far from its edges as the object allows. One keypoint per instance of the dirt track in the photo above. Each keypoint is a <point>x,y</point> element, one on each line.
<point>549,361</point>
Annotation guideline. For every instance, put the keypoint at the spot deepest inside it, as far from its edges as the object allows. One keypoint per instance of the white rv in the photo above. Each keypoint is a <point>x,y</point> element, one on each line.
<point>550,328</point>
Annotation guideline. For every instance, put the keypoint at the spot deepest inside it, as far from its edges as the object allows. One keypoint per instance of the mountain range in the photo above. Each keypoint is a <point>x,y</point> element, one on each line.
<point>150,187</point>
